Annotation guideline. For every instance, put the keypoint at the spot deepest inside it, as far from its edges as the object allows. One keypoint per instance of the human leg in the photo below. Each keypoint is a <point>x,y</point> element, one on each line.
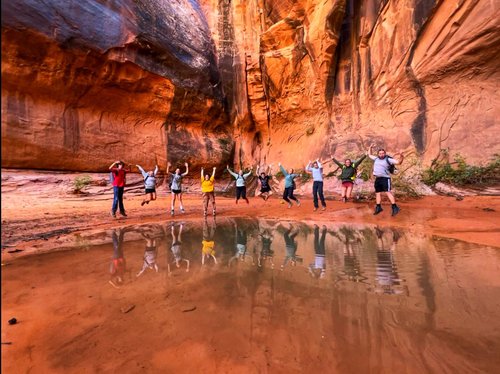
<point>315,194</point>
<point>180,202</point>
<point>244,194</point>
<point>321,196</point>
<point>115,201</point>
<point>120,201</point>
<point>348,192</point>
<point>212,197</point>
<point>205,202</point>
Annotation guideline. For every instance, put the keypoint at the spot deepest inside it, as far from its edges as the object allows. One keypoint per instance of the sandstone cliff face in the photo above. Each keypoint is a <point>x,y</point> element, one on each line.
<point>258,80</point>
<point>85,83</point>
<point>336,76</point>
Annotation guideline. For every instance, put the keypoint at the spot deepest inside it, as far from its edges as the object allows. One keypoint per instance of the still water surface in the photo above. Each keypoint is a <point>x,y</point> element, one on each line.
<point>242,295</point>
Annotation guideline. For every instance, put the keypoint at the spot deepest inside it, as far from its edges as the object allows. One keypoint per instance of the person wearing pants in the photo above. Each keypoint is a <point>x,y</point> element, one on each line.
<point>289,185</point>
<point>317,172</point>
<point>207,189</point>
<point>241,189</point>
<point>119,172</point>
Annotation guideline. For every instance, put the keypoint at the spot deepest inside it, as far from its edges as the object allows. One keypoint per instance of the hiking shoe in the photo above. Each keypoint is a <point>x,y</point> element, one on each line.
<point>112,214</point>
<point>378,209</point>
<point>395,210</point>
<point>324,208</point>
<point>344,199</point>
<point>123,214</point>
<point>182,210</point>
<point>147,202</point>
<point>298,203</point>
<point>315,209</point>
<point>143,202</point>
<point>289,205</point>
<point>172,212</point>
<point>212,213</point>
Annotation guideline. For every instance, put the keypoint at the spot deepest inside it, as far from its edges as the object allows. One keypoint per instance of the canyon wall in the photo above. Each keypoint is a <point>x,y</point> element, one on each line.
<point>254,81</point>
<point>85,83</point>
<point>335,76</point>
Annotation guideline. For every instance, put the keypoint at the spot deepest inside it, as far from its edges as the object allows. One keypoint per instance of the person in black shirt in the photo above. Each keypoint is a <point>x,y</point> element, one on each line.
<point>265,187</point>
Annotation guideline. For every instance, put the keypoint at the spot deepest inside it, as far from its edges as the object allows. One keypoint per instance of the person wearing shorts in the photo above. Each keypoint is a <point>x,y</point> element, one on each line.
<point>207,190</point>
<point>241,189</point>
<point>348,175</point>
<point>149,183</point>
<point>176,186</point>
<point>381,166</point>
<point>265,187</point>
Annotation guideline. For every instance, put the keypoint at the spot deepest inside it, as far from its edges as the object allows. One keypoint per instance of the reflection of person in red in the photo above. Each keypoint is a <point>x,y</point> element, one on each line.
<point>118,266</point>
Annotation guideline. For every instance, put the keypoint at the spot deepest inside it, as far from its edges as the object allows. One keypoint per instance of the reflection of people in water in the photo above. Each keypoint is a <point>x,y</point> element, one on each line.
<point>266,252</point>
<point>176,249</point>
<point>290,247</point>
<point>241,245</point>
<point>352,267</point>
<point>387,273</point>
<point>318,269</point>
<point>118,266</point>
<point>208,243</point>
<point>150,254</point>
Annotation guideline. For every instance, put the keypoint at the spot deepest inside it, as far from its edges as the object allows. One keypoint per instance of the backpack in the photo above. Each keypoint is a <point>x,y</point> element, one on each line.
<point>355,172</point>
<point>392,168</point>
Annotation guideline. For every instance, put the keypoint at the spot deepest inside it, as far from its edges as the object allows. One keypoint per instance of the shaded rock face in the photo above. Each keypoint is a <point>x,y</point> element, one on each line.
<point>257,81</point>
<point>85,83</point>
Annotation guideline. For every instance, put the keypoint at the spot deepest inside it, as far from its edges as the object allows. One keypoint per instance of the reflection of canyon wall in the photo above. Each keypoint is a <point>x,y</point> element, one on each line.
<point>288,80</point>
<point>321,76</point>
<point>85,83</point>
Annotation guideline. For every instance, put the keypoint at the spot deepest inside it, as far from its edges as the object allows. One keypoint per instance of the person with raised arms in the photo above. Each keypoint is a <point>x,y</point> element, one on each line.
<point>348,175</point>
<point>241,189</point>
<point>317,173</point>
<point>264,178</point>
<point>176,186</point>
<point>289,185</point>
<point>207,189</point>
<point>149,183</point>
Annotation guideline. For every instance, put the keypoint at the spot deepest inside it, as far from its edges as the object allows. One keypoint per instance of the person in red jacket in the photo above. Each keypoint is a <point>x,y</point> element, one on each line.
<point>119,173</point>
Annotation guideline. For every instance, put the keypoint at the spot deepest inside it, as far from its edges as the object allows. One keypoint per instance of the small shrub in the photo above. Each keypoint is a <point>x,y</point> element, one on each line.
<point>279,175</point>
<point>460,173</point>
<point>81,182</point>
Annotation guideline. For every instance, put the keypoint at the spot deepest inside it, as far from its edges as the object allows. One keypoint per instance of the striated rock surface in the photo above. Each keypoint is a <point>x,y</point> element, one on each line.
<point>257,81</point>
<point>85,83</point>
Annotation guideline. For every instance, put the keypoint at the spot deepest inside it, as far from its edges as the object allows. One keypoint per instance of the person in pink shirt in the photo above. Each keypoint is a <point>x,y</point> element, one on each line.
<point>119,173</point>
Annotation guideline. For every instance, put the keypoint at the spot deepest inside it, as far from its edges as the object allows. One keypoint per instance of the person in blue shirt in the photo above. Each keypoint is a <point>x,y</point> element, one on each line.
<point>289,185</point>
<point>241,189</point>
<point>317,173</point>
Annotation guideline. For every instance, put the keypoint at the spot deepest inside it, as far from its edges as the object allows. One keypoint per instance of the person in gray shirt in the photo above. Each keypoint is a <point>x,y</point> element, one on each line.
<point>241,189</point>
<point>176,186</point>
<point>317,173</point>
<point>381,170</point>
<point>149,183</point>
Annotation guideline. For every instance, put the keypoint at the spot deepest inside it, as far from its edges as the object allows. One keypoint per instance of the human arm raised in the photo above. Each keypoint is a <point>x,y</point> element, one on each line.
<point>213,173</point>
<point>156,170</point>
<point>356,163</point>
<point>231,172</point>
<point>187,169</point>
<point>282,169</point>
<point>168,167</point>
<point>245,176</point>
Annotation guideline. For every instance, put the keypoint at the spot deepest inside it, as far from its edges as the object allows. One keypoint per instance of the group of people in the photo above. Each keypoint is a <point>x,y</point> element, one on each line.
<point>383,168</point>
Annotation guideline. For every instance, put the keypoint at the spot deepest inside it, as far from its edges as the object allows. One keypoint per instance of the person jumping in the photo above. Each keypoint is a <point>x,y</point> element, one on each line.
<point>317,172</point>
<point>381,170</point>
<point>348,175</point>
<point>289,185</point>
<point>149,183</point>
<point>265,187</point>
<point>176,186</point>
<point>207,189</point>
<point>241,189</point>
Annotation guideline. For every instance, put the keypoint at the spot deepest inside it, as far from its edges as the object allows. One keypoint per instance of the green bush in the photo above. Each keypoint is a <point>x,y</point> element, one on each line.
<point>81,182</point>
<point>460,173</point>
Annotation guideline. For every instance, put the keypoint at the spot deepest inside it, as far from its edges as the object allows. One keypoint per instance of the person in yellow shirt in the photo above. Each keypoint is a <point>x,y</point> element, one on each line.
<point>207,189</point>
<point>208,243</point>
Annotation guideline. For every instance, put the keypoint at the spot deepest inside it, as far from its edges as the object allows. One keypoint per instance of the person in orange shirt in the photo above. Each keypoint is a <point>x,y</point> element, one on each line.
<point>207,189</point>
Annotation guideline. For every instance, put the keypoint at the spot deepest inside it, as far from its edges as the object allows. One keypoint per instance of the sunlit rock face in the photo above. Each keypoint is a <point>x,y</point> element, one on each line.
<point>85,83</point>
<point>336,76</point>
<point>257,81</point>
